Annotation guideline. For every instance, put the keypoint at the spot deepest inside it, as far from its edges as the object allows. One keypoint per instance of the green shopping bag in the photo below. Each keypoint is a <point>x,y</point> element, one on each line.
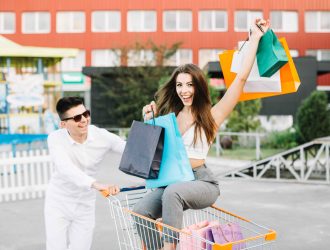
<point>271,55</point>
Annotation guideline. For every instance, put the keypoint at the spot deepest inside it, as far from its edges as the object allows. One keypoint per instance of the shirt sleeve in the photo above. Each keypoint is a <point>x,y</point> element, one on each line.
<point>64,165</point>
<point>116,143</point>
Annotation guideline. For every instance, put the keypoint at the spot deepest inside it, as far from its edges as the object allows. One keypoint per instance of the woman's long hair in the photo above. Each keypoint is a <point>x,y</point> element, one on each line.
<point>168,101</point>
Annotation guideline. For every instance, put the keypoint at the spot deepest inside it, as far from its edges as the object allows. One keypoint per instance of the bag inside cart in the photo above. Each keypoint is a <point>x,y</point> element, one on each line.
<point>137,232</point>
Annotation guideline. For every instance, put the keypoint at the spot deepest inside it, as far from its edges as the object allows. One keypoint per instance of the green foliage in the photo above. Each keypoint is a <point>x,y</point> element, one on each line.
<point>313,117</point>
<point>281,139</point>
<point>244,117</point>
<point>119,95</point>
<point>214,94</point>
<point>162,52</point>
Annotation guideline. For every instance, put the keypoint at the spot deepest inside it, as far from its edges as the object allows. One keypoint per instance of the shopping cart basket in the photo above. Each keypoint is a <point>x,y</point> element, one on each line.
<point>127,224</point>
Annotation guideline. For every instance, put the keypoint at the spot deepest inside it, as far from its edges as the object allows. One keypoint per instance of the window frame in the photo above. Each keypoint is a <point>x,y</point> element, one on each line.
<point>70,61</point>
<point>249,17</point>
<point>318,53</point>
<point>177,23</point>
<point>283,12</point>
<point>178,57</point>
<point>71,22</point>
<point>318,18</point>
<point>36,18</point>
<point>142,22</point>
<point>142,55</point>
<point>108,14</point>
<point>2,22</point>
<point>107,57</point>
<point>215,53</point>
<point>213,20</point>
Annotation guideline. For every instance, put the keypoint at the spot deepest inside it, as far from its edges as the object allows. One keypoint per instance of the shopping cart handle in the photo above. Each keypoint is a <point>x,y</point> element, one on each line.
<point>125,189</point>
<point>106,193</point>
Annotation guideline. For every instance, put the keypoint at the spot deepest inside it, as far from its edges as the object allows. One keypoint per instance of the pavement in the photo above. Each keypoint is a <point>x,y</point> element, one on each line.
<point>299,213</point>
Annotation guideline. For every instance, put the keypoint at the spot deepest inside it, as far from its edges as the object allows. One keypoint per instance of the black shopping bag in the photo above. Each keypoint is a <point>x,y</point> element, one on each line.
<point>143,152</point>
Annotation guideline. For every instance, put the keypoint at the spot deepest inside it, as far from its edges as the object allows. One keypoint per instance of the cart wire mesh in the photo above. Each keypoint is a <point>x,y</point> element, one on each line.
<point>137,232</point>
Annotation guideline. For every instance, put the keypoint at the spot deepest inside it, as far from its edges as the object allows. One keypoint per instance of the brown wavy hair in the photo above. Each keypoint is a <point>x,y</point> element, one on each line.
<point>168,101</point>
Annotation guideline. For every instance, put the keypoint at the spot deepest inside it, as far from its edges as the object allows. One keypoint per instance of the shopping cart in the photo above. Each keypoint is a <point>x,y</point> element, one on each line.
<point>135,231</point>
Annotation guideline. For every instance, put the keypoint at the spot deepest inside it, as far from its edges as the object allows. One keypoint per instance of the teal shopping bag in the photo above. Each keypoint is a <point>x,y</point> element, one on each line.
<point>175,165</point>
<point>271,55</point>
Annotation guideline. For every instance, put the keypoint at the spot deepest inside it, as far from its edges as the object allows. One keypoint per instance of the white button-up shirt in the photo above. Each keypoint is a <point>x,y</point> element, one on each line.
<point>76,164</point>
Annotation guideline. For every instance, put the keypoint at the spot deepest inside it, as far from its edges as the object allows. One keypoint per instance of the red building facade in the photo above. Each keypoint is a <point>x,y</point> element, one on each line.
<point>203,27</point>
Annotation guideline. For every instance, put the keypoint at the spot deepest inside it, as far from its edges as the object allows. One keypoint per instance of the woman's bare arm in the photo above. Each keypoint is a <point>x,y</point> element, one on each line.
<point>222,109</point>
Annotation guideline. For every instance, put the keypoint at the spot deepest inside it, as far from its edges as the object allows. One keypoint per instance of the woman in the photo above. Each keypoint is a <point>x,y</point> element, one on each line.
<point>186,94</point>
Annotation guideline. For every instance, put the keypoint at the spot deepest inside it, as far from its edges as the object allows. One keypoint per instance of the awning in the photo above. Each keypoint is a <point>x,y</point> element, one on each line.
<point>15,51</point>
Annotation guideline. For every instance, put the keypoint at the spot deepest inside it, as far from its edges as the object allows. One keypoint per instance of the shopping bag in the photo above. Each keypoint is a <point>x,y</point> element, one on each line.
<point>193,236</point>
<point>289,77</point>
<point>143,151</point>
<point>254,83</point>
<point>175,165</point>
<point>226,233</point>
<point>271,55</point>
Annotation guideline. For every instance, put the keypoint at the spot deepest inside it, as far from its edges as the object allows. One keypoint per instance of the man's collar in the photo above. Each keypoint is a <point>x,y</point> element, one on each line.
<point>90,137</point>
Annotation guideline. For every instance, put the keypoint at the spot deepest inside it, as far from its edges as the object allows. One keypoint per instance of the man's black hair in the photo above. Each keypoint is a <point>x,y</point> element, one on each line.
<point>66,103</point>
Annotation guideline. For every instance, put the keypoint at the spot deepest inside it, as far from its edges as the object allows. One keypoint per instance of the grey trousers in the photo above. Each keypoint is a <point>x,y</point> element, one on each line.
<point>169,203</point>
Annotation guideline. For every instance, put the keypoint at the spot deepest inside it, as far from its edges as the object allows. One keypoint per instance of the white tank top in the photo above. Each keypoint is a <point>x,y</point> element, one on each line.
<point>198,151</point>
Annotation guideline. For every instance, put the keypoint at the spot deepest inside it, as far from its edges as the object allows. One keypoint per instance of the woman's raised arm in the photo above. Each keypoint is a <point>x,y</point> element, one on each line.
<point>222,109</point>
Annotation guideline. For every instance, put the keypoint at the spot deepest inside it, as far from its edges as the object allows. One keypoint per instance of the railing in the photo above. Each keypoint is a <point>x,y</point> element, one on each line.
<point>257,136</point>
<point>123,132</point>
<point>307,163</point>
<point>24,176</point>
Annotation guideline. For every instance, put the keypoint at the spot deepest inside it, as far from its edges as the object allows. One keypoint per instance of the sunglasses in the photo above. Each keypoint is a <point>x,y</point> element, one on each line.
<point>77,118</point>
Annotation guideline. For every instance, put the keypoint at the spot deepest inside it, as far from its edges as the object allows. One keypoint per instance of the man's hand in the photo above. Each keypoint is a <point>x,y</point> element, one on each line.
<point>147,111</point>
<point>111,189</point>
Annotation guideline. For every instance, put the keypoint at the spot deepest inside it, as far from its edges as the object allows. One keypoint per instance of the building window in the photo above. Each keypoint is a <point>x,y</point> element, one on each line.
<point>320,54</point>
<point>208,55</point>
<point>35,22</point>
<point>106,57</point>
<point>70,22</point>
<point>212,20</point>
<point>74,63</point>
<point>141,21</point>
<point>7,23</point>
<point>106,21</point>
<point>294,53</point>
<point>182,56</point>
<point>284,21</point>
<point>244,19</point>
<point>141,58</point>
<point>177,21</point>
<point>317,21</point>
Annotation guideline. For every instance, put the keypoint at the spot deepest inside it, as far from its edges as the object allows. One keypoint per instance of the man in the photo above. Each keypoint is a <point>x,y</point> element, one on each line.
<point>76,150</point>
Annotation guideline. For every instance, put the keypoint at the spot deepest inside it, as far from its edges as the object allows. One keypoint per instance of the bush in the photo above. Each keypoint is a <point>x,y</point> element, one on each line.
<point>282,139</point>
<point>244,118</point>
<point>313,117</point>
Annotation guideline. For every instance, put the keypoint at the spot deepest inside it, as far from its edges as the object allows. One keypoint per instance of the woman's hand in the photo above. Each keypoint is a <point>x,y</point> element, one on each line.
<point>147,111</point>
<point>259,27</point>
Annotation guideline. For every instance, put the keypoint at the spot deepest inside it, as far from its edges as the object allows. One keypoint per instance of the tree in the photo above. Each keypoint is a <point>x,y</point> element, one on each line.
<point>119,93</point>
<point>313,117</point>
<point>244,117</point>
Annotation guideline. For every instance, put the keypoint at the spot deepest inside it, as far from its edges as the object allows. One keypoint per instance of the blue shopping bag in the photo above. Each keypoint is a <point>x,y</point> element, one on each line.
<point>175,165</point>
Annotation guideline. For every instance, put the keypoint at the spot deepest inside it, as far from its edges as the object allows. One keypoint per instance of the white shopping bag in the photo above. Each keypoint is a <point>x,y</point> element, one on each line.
<point>255,83</point>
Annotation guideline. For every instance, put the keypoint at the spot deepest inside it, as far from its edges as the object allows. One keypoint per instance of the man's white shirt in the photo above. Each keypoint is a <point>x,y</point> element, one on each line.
<point>77,164</point>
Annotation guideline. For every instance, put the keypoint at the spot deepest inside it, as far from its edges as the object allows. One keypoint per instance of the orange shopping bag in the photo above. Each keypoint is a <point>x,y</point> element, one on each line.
<point>288,73</point>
